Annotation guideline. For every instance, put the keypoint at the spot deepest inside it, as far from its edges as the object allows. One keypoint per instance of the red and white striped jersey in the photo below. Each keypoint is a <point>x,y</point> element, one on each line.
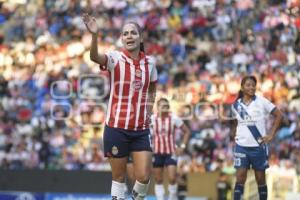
<point>163,133</point>
<point>129,84</point>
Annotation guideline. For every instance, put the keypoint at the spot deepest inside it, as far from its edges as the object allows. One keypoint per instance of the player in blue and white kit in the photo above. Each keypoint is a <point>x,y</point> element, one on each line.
<point>251,137</point>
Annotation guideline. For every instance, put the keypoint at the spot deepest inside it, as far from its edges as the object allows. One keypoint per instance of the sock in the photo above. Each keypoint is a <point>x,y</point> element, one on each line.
<point>140,190</point>
<point>172,192</point>
<point>117,190</point>
<point>263,192</point>
<point>125,189</point>
<point>238,192</point>
<point>159,191</point>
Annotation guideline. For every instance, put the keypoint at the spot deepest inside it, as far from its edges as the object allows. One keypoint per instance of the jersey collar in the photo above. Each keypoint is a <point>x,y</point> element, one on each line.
<point>253,99</point>
<point>141,55</point>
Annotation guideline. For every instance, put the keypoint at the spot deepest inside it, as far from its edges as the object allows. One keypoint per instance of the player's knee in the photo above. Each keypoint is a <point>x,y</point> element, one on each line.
<point>158,180</point>
<point>172,181</point>
<point>143,178</point>
<point>241,179</point>
<point>260,180</point>
<point>118,177</point>
<point>172,178</point>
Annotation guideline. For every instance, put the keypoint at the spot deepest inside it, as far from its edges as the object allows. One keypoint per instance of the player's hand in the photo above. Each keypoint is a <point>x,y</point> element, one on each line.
<point>148,118</point>
<point>179,151</point>
<point>267,139</point>
<point>90,23</point>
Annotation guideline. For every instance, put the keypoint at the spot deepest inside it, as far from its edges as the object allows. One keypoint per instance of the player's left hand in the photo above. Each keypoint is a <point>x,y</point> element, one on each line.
<point>179,151</point>
<point>267,139</point>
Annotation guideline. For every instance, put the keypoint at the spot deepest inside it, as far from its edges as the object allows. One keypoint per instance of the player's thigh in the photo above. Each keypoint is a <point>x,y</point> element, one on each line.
<point>118,168</point>
<point>130,172</point>
<point>158,174</point>
<point>171,164</point>
<point>172,172</point>
<point>142,165</point>
<point>260,177</point>
<point>241,175</point>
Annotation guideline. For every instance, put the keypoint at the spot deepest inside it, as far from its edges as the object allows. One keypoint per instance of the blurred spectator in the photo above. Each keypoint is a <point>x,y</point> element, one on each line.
<point>223,187</point>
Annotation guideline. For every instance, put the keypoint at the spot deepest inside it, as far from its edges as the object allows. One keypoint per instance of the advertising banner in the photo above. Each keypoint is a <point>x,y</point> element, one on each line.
<point>21,196</point>
<point>73,196</point>
<point>66,196</point>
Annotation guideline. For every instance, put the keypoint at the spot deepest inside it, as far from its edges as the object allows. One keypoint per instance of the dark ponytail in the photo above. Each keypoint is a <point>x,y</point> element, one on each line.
<point>240,95</point>
<point>142,47</point>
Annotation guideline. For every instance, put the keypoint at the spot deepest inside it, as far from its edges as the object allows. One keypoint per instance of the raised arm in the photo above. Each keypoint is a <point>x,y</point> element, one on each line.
<point>92,27</point>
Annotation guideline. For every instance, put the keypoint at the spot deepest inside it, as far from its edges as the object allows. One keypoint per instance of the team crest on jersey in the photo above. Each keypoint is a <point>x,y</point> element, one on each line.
<point>138,73</point>
<point>137,85</point>
<point>114,150</point>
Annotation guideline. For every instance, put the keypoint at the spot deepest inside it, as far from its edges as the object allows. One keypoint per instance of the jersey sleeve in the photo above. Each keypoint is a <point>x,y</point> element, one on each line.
<point>177,121</point>
<point>111,61</point>
<point>233,113</point>
<point>153,75</point>
<point>269,107</point>
<point>151,124</point>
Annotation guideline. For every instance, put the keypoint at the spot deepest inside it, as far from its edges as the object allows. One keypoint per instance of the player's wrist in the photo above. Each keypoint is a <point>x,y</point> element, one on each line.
<point>95,34</point>
<point>182,146</point>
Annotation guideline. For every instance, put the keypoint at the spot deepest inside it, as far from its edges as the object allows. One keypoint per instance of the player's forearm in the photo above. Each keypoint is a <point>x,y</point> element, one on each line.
<point>94,55</point>
<point>233,133</point>
<point>186,135</point>
<point>152,96</point>
<point>94,48</point>
<point>233,128</point>
<point>277,122</point>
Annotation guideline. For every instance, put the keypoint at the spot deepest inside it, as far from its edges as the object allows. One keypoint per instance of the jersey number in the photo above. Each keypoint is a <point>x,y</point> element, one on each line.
<point>237,162</point>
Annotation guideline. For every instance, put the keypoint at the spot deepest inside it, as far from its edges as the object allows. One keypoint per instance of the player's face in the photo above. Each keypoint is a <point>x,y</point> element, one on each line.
<point>249,87</point>
<point>163,107</point>
<point>131,38</point>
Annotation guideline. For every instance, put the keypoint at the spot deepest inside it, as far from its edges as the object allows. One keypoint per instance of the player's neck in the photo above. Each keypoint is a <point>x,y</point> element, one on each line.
<point>247,99</point>
<point>135,54</point>
<point>164,114</point>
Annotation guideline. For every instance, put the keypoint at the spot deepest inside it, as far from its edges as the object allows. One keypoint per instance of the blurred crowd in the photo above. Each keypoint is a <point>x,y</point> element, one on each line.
<point>52,97</point>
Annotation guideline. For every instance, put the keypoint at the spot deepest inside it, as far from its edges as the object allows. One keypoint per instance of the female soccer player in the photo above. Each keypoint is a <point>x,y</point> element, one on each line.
<point>250,113</point>
<point>132,78</point>
<point>165,152</point>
